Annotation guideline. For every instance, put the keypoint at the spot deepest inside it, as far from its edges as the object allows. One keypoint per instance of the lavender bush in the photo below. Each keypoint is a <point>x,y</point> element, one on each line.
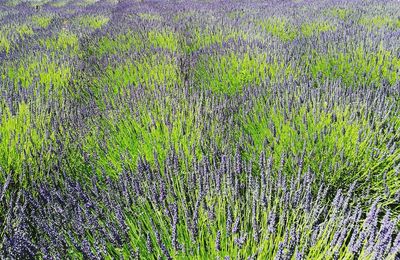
<point>199,130</point>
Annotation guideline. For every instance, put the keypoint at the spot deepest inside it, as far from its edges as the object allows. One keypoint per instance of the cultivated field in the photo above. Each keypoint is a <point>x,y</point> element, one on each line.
<point>200,129</point>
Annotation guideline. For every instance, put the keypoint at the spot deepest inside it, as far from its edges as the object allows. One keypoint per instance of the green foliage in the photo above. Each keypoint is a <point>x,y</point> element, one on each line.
<point>9,34</point>
<point>150,16</point>
<point>151,70</point>
<point>357,67</point>
<point>332,141</point>
<point>287,31</point>
<point>120,44</point>
<point>316,27</point>
<point>24,30</point>
<point>231,72</point>
<point>182,15</point>
<point>92,21</point>
<point>163,39</point>
<point>237,13</point>
<point>65,41</point>
<point>150,132</point>
<point>280,27</point>
<point>86,3</point>
<point>12,3</point>
<point>23,137</point>
<point>5,44</point>
<point>125,43</point>
<point>380,21</point>
<point>42,71</point>
<point>41,21</point>
<point>60,3</point>
<point>340,12</point>
<point>204,37</point>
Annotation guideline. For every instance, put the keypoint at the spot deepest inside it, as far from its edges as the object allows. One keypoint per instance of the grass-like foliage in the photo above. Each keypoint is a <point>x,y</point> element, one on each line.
<point>280,27</point>
<point>44,72</point>
<point>150,70</point>
<point>92,22</point>
<point>230,73</point>
<point>199,129</point>
<point>358,67</point>
<point>342,13</point>
<point>380,21</point>
<point>309,29</point>
<point>41,21</point>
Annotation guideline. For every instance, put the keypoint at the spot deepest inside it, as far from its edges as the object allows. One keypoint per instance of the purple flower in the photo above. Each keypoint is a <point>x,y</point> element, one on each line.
<point>385,236</point>
<point>218,241</point>
<point>396,245</point>
<point>240,241</point>
<point>235,227</point>
<point>6,183</point>
<point>87,251</point>
<point>174,226</point>
<point>271,221</point>
<point>149,244</point>
<point>279,252</point>
<point>228,221</point>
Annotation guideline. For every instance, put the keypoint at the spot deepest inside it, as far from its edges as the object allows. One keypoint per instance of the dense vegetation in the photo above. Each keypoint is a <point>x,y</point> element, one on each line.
<point>199,130</point>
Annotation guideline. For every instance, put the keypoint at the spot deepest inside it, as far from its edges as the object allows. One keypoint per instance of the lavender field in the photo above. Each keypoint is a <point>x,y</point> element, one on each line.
<point>200,129</point>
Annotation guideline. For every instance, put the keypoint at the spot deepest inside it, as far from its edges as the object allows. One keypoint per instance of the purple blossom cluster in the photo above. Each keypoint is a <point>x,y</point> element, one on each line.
<point>149,211</point>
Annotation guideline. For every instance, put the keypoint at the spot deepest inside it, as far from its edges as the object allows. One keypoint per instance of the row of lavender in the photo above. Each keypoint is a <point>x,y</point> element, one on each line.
<point>219,209</point>
<point>199,130</point>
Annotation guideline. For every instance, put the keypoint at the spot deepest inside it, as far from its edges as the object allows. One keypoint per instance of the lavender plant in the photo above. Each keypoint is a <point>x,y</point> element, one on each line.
<point>199,130</point>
